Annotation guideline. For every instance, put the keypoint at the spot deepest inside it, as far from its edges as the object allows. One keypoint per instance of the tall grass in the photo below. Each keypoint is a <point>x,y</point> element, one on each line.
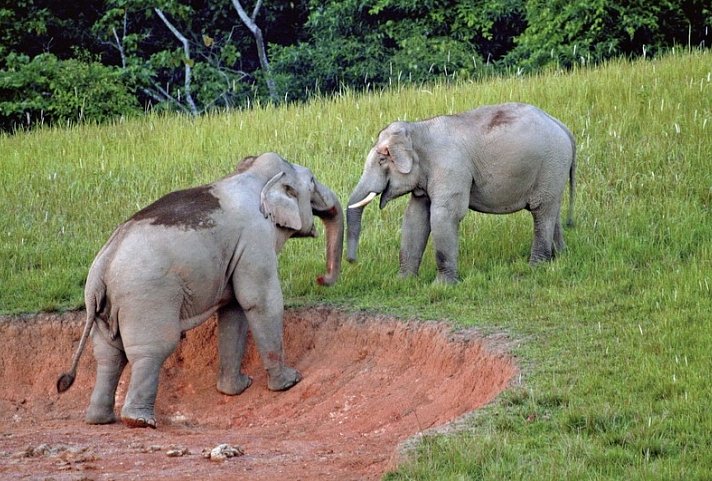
<point>614,337</point>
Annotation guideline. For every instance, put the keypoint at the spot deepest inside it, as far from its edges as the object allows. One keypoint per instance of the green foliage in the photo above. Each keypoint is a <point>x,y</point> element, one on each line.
<point>378,43</point>
<point>48,90</point>
<point>421,54</point>
<point>155,59</point>
<point>566,33</point>
<point>484,27</point>
<point>17,22</point>
<point>343,49</point>
<point>226,72</point>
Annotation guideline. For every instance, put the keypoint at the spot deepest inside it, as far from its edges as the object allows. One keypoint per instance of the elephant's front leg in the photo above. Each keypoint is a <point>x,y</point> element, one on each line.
<point>232,335</point>
<point>414,235</point>
<point>258,291</point>
<point>445,222</point>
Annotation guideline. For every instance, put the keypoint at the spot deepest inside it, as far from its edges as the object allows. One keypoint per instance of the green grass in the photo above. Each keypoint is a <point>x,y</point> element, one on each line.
<point>614,337</point>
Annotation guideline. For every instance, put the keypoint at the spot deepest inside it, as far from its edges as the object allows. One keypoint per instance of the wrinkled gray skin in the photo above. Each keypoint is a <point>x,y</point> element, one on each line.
<point>496,159</point>
<point>191,254</point>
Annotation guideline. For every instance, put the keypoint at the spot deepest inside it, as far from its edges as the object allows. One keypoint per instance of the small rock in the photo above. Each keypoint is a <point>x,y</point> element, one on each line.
<point>177,452</point>
<point>25,453</point>
<point>41,450</point>
<point>77,454</point>
<point>178,418</point>
<point>222,452</point>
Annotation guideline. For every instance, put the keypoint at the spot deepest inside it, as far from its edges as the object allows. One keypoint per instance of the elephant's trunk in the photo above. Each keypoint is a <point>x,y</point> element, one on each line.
<point>357,202</point>
<point>353,222</point>
<point>372,183</point>
<point>333,219</point>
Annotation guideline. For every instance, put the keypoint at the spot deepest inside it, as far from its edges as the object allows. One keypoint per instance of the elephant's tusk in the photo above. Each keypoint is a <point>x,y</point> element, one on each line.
<point>363,201</point>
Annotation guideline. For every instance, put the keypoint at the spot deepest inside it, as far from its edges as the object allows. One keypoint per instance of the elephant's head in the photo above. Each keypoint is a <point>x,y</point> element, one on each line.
<point>392,169</point>
<point>290,198</point>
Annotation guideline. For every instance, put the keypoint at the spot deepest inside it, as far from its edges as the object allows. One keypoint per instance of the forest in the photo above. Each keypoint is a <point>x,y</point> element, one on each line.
<point>97,60</point>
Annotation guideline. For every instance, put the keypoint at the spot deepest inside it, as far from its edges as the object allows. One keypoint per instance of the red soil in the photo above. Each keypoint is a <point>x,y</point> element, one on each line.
<point>370,383</point>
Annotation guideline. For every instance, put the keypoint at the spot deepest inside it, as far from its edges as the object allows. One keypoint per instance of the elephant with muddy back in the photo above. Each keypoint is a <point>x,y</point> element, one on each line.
<point>496,159</point>
<point>191,254</point>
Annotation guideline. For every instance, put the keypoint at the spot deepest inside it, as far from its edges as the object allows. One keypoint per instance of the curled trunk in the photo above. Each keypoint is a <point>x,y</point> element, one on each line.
<point>333,218</point>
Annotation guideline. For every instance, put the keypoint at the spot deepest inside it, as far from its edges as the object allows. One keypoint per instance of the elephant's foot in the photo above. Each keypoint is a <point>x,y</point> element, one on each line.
<point>138,418</point>
<point>407,274</point>
<point>234,386</point>
<point>100,415</point>
<point>281,379</point>
<point>535,260</point>
<point>139,422</point>
<point>443,278</point>
<point>541,251</point>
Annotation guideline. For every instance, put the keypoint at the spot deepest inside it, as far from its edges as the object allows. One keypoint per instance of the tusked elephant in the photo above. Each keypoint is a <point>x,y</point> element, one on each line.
<point>496,159</point>
<point>191,254</point>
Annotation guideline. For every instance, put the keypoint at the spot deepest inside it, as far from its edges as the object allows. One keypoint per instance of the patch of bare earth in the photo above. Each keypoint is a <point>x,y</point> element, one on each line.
<point>370,383</point>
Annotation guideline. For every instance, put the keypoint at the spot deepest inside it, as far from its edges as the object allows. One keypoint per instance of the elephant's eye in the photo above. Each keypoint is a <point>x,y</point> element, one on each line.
<point>382,159</point>
<point>291,192</point>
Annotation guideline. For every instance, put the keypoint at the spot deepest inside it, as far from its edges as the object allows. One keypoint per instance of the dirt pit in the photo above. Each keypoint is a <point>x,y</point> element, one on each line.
<point>370,383</point>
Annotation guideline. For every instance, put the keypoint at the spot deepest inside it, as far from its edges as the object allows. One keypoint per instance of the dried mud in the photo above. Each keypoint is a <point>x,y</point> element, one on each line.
<point>370,383</point>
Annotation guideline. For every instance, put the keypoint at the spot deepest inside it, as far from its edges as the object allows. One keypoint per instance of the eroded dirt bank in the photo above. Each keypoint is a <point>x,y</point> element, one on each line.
<point>370,382</point>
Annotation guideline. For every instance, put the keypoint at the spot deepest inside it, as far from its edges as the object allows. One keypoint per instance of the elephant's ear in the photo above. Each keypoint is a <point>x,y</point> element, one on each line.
<point>278,203</point>
<point>400,148</point>
<point>402,158</point>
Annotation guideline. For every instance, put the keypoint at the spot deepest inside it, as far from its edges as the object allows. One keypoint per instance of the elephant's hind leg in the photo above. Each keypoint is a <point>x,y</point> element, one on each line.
<point>147,349</point>
<point>138,410</point>
<point>110,363</point>
<point>232,335</point>
<point>545,220</point>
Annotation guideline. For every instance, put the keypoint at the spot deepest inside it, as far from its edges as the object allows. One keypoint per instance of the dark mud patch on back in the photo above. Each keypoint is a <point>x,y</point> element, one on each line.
<point>188,209</point>
<point>501,117</point>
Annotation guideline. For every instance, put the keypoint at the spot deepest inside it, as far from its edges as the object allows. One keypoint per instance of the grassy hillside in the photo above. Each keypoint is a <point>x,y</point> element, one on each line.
<point>614,337</point>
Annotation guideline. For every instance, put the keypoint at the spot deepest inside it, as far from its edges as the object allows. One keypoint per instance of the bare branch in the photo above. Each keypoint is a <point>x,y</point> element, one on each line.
<point>256,10</point>
<point>163,96</point>
<point>186,61</point>
<point>120,47</point>
<point>259,40</point>
<point>249,23</point>
<point>118,42</point>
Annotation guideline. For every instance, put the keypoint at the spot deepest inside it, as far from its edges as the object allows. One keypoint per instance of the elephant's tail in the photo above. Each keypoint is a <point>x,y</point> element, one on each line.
<point>572,182</point>
<point>95,302</point>
<point>572,171</point>
<point>66,380</point>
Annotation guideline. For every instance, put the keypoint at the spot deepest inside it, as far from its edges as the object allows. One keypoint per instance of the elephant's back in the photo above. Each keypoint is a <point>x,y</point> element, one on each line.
<point>522,131</point>
<point>498,119</point>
